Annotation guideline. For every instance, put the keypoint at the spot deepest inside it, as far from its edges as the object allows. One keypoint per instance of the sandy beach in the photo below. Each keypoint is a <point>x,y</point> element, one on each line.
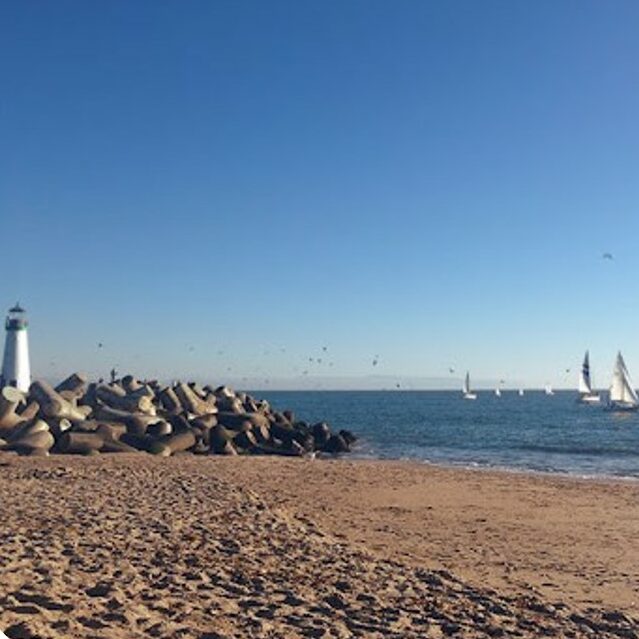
<point>128,546</point>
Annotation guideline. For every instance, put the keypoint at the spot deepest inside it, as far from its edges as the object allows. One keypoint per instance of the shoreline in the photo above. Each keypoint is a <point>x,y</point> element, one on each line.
<point>477,467</point>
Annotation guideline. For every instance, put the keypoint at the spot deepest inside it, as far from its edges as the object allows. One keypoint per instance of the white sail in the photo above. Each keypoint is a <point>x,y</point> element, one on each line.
<point>521,392</point>
<point>466,388</point>
<point>621,390</point>
<point>497,392</point>
<point>548,390</point>
<point>585,384</point>
<point>467,393</point>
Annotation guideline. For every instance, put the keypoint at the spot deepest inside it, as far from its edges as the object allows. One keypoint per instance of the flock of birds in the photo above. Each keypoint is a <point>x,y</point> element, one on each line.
<point>375,360</point>
<point>323,359</point>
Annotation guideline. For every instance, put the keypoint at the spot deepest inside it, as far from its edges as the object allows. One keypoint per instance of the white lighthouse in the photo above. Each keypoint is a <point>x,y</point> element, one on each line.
<point>16,370</point>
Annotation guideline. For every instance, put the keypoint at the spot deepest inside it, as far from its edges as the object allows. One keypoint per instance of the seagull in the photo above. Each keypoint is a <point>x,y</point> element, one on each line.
<point>451,370</point>
<point>100,344</point>
<point>607,256</point>
<point>324,348</point>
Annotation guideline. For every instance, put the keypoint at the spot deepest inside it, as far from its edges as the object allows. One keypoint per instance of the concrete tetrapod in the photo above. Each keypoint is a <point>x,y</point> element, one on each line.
<point>80,443</point>
<point>191,402</point>
<point>10,399</point>
<point>52,403</point>
<point>173,444</point>
<point>116,397</point>
<point>36,436</point>
<point>76,385</point>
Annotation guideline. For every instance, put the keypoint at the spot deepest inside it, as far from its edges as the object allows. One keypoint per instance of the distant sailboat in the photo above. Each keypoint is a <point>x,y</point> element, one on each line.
<point>521,392</point>
<point>623,396</point>
<point>466,389</point>
<point>548,390</point>
<point>586,394</point>
<point>497,392</point>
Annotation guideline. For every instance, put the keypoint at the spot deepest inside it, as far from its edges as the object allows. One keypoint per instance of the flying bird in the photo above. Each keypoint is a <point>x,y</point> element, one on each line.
<point>607,256</point>
<point>100,344</point>
<point>324,348</point>
<point>451,370</point>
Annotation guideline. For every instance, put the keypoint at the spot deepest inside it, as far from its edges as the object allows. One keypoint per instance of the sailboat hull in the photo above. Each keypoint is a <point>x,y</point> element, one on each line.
<point>622,407</point>
<point>470,396</point>
<point>589,399</point>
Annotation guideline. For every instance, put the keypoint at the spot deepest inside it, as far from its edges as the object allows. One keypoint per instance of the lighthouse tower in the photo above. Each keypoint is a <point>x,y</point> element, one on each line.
<point>15,364</point>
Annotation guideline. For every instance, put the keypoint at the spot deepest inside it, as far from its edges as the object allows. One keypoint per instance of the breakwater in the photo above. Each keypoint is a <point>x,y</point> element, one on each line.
<point>129,415</point>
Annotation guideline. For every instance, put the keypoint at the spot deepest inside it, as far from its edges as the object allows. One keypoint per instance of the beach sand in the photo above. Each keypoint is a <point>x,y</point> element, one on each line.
<point>128,546</point>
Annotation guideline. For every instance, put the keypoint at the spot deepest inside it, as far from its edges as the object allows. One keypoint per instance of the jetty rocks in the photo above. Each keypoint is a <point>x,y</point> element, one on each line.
<point>129,415</point>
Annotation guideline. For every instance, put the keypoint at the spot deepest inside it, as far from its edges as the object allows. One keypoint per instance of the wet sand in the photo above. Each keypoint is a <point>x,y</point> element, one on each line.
<point>127,546</point>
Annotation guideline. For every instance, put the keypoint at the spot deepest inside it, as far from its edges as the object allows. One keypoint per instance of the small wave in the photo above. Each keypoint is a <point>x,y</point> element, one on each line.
<point>577,450</point>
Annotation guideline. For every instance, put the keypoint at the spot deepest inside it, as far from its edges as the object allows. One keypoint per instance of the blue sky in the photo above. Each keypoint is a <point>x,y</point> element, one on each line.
<point>219,190</point>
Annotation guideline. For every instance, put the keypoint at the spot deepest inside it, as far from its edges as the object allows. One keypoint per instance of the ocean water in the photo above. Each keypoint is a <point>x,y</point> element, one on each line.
<point>535,432</point>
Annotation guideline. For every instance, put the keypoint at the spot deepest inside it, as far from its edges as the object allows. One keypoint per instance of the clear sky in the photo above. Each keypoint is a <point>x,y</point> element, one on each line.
<point>222,189</point>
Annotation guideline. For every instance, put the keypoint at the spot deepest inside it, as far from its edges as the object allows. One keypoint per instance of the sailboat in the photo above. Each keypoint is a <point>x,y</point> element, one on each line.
<point>521,392</point>
<point>586,394</point>
<point>498,392</point>
<point>623,396</point>
<point>548,390</point>
<point>466,389</point>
